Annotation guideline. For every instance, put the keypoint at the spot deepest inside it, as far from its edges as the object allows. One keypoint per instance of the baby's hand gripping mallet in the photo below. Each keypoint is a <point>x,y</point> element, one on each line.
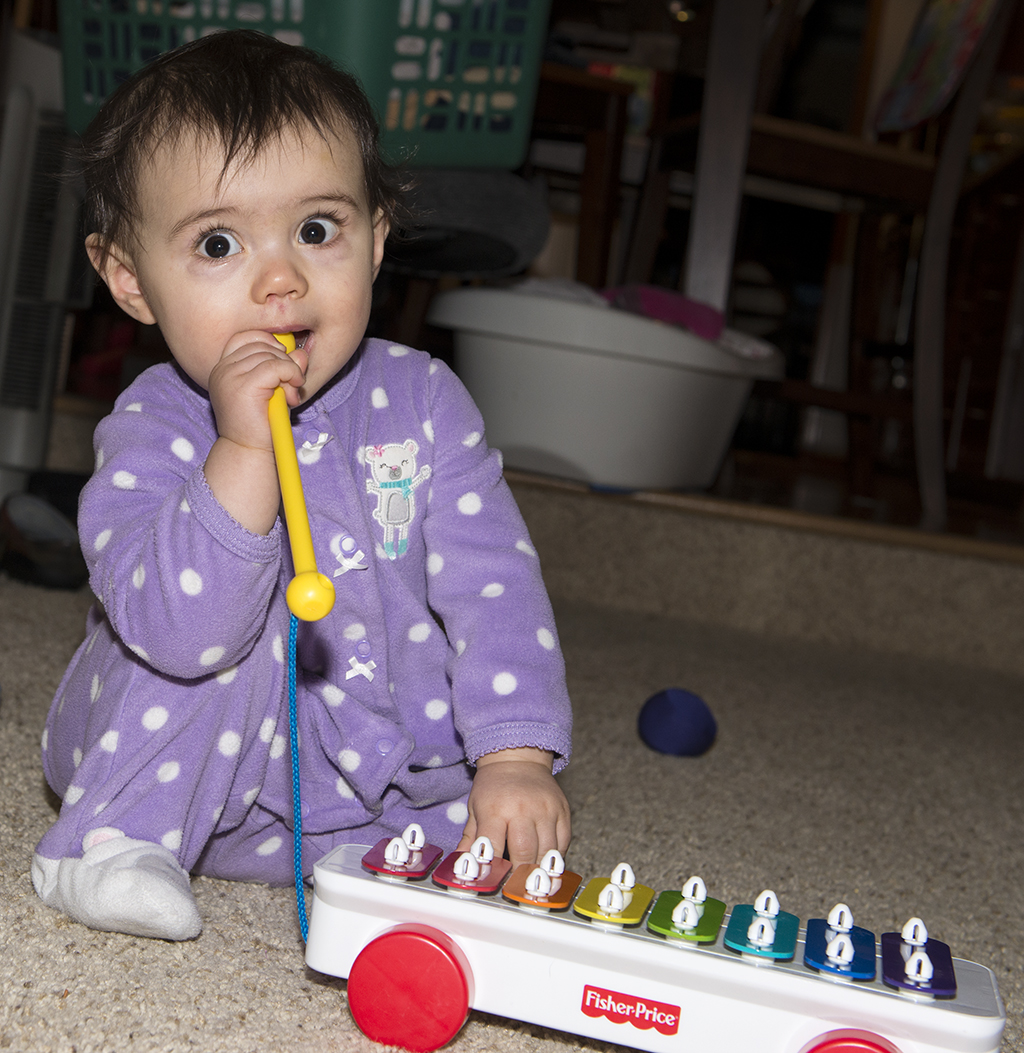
<point>310,594</point>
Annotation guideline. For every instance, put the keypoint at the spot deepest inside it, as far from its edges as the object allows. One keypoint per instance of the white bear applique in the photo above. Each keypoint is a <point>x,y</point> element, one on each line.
<point>393,480</point>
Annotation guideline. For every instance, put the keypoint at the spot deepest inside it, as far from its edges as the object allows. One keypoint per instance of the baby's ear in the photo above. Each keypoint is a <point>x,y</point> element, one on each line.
<point>115,267</point>
<point>381,229</point>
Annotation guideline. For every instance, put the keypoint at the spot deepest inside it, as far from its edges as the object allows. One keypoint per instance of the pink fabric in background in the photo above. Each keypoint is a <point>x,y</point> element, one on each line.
<point>668,306</point>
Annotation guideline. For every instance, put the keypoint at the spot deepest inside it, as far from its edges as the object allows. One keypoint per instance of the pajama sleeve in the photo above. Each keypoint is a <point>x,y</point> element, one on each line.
<point>184,586</point>
<point>484,582</point>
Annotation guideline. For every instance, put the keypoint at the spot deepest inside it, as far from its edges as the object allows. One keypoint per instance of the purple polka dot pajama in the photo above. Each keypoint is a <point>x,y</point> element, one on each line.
<point>171,722</point>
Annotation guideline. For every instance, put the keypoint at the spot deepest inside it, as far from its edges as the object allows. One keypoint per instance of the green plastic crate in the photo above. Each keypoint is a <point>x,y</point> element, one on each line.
<point>453,81</point>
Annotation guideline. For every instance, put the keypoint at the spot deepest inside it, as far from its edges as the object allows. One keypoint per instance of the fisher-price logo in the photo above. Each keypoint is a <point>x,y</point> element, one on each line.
<point>622,1009</point>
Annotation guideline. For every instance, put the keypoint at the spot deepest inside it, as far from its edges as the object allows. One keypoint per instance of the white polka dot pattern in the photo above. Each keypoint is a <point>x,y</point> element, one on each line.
<point>332,694</point>
<point>504,684</point>
<point>183,449</point>
<point>469,504</point>
<point>190,581</point>
<point>155,718</point>
<point>211,656</point>
<point>436,709</point>
<point>229,743</point>
<point>457,812</point>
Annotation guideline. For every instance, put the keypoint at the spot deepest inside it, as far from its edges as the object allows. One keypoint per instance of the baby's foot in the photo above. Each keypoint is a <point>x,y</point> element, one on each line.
<point>121,885</point>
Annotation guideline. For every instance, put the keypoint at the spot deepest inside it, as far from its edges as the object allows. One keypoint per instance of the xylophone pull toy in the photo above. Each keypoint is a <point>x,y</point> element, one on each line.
<point>310,594</point>
<point>418,958</point>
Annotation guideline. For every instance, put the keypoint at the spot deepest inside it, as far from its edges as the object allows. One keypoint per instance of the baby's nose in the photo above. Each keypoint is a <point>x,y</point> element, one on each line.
<point>281,277</point>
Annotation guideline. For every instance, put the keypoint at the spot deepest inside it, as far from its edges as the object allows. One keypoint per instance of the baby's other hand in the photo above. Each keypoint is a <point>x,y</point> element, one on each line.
<point>252,366</point>
<point>516,800</point>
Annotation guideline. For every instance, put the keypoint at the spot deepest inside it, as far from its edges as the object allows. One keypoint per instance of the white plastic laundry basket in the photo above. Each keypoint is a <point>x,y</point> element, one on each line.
<point>590,392</point>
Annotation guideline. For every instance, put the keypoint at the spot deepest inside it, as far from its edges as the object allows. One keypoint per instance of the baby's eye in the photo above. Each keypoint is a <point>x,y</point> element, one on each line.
<point>318,231</point>
<point>218,245</point>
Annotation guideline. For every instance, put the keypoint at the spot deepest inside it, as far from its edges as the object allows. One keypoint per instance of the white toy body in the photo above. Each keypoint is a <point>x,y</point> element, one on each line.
<point>634,988</point>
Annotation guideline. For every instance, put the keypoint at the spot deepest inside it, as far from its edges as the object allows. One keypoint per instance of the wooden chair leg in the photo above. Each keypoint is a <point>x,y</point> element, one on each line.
<point>650,219</point>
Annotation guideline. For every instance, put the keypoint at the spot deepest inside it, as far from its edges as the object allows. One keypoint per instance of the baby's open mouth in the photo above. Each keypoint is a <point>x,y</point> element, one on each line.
<point>301,336</point>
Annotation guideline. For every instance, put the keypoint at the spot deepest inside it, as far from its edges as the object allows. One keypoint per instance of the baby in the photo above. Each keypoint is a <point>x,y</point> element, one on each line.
<point>236,191</point>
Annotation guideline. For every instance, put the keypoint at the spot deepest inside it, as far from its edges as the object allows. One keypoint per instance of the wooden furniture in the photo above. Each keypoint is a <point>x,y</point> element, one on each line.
<point>727,140</point>
<point>576,105</point>
<point>792,152</point>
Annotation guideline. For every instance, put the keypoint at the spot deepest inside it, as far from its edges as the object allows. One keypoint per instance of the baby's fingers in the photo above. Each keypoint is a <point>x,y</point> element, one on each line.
<point>526,841</point>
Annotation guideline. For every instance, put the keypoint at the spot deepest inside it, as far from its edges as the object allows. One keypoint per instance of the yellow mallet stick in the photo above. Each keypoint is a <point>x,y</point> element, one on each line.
<point>310,595</point>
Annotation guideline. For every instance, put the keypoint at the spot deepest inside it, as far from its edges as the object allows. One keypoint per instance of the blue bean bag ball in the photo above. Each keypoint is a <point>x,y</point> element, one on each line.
<point>677,722</point>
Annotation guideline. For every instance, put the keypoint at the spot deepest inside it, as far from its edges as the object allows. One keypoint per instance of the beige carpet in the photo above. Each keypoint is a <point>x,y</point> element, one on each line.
<point>891,781</point>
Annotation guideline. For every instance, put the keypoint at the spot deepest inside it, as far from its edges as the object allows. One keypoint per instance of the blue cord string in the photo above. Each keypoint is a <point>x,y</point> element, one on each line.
<point>293,735</point>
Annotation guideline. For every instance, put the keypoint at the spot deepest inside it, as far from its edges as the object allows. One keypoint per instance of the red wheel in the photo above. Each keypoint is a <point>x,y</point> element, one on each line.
<point>410,987</point>
<point>849,1042</point>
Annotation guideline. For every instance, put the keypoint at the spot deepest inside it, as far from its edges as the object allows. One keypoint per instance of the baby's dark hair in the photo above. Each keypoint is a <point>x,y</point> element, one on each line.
<point>238,87</point>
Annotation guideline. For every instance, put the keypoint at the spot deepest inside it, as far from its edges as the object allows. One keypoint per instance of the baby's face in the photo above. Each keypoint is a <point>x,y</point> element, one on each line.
<point>285,243</point>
